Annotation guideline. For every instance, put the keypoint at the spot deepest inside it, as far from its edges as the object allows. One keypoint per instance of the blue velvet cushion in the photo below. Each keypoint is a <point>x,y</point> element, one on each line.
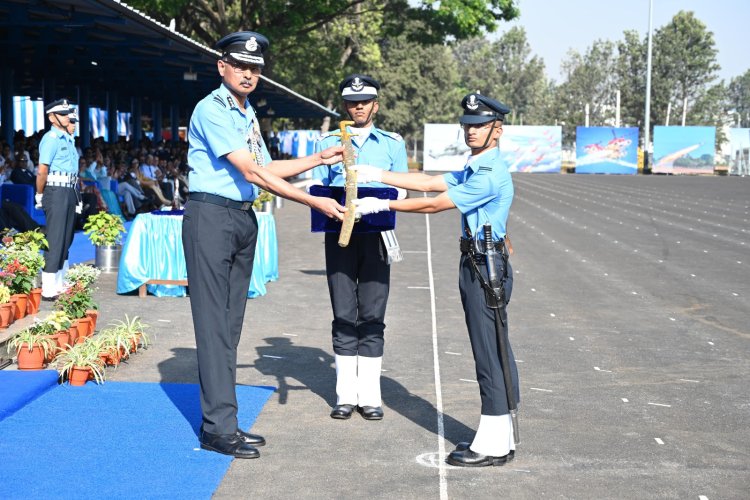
<point>372,223</point>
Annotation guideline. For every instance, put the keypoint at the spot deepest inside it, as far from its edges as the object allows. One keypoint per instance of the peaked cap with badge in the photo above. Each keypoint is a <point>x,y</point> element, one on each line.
<point>58,107</point>
<point>358,87</point>
<point>481,109</point>
<point>243,47</point>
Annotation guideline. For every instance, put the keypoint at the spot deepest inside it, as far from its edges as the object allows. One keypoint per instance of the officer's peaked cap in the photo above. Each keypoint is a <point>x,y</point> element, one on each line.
<point>358,87</point>
<point>245,47</point>
<point>59,107</point>
<point>482,109</point>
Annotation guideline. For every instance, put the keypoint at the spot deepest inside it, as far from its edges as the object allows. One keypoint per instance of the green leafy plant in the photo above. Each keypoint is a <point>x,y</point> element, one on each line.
<point>4,294</point>
<point>263,197</point>
<point>58,320</point>
<point>32,336</point>
<point>82,273</point>
<point>134,330</point>
<point>32,240</point>
<point>114,341</point>
<point>75,301</point>
<point>104,229</point>
<point>84,355</point>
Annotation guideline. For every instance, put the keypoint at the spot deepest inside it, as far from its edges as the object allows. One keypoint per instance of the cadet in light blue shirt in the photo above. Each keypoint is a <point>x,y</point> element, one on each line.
<point>56,193</point>
<point>483,193</point>
<point>228,159</point>
<point>359,274</point>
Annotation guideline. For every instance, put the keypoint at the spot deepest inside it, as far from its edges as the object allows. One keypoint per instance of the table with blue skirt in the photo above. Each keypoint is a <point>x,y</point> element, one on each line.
<point>153,252</point>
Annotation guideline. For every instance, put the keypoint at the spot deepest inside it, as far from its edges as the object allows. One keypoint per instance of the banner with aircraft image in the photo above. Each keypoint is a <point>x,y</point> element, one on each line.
<point>606,150</point>
<point>684,150</point>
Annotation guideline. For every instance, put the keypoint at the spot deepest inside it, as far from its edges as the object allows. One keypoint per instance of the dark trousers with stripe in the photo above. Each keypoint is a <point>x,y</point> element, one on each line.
<point>480,321</point>
<point>219,245</point>
<point>358,282</point>
<point>59,204</point>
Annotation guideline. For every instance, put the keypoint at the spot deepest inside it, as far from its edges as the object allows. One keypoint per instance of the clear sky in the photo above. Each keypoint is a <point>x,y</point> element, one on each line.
<point>555,26</point>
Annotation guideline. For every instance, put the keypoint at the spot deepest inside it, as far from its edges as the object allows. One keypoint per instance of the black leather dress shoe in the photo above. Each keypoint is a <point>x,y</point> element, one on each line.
<point>251,439</point>
<point>228,444</point>
<point>342,412</point>
<point>49,299</point>
<point>371,412</point>
<point>467,458</point>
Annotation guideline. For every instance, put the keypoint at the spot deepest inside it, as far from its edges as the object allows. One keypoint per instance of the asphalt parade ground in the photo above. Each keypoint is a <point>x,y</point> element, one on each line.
<point>630,320</point>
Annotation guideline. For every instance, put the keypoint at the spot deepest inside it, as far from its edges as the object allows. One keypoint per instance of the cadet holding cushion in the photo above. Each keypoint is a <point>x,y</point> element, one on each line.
<point>482,192</point>
<point>359,273</point>
<point>228,159</point>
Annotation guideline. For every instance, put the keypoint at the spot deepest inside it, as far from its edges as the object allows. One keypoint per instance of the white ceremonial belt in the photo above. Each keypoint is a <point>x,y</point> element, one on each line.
<point>62,177</point>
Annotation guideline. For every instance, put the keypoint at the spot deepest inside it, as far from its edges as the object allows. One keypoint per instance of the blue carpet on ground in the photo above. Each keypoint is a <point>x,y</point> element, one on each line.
<point>116,440</point>
<point>18,388</point>
<point>82,250</point>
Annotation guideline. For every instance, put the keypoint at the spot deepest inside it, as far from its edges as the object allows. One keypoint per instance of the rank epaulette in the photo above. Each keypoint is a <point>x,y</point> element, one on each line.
<point>488,169</point>
<point>393,135</point>
<point>220,101</point>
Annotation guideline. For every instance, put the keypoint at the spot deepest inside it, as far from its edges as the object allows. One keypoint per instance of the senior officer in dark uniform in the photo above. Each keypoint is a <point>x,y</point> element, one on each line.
<point>359,274</point>
<point>482,192</point>
<point>228,159</point>
<point>56,193</point>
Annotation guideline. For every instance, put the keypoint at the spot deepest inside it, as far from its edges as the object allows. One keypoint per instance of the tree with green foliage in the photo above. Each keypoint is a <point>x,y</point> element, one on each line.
<point>631,78</point>
<point>506,70</point>
<point>739,98</point>
<point>684,66</point>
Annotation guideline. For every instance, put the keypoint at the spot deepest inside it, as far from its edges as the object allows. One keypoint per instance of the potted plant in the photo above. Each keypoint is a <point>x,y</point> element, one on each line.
<point>87,276</point>
<point>74,302</point>
<point>81,362</point>
<point>105,231</point>
<point>6,308</point>
<point>114,345</point>
<point>60,323</point>
<point>33,346</point>
<point>264,202</point>
<point>25,248</point>
<point>17,278</point>
<point>134,331</point>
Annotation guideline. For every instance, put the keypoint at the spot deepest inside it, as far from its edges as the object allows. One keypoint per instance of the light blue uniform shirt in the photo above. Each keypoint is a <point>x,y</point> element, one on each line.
<point>381,149</point>
<point>217,128</point>
<point>483,192</point>
<point>57,149</point>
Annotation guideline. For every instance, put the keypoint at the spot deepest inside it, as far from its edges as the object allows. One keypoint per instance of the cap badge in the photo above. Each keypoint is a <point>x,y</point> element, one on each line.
<point>252,44</point>
<point>472,103</point>
<point>357,84</point>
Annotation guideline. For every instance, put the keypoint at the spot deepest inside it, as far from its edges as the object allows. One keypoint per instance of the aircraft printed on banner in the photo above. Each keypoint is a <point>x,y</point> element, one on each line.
<point>531,153</point>
<point>615,149</point>
<point>454,149</point>
<point>668,160</point>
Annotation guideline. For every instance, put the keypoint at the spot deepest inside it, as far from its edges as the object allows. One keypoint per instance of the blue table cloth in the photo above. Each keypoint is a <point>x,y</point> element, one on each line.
<point>153,250</point>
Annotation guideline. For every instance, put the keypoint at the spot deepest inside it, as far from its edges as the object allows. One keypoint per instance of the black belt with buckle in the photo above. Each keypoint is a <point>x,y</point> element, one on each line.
<point>467,245</point>
<point>214,199</point>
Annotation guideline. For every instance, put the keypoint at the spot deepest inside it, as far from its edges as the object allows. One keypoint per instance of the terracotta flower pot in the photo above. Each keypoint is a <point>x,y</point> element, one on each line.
<point>63,339</point>
<point>79,375</point>
<point>33,360</point>
<point>84,327</point>
<point>6,314</point>
<point>35,299</point>
<point>92,315</point>
<point>21,299</point>
<point>73,332</point>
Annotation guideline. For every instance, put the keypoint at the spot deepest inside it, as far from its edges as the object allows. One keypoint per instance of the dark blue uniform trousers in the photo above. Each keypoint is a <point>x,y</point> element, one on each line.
<point>59,204</point>
<point>219,245</point>
<point>480,321</point>
<point>358,281</point>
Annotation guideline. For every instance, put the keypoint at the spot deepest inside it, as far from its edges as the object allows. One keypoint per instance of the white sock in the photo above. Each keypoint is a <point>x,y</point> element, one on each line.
<point>494,436</point>
<point>49,284</point>
<point>346,380</point>
<point>368,387</point>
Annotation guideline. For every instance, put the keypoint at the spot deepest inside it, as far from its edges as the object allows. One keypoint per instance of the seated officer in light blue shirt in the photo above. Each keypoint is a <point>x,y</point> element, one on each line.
<point>228,159</point>
<point>359,274</point>
<point>56,193</point>
<point>483,193</point>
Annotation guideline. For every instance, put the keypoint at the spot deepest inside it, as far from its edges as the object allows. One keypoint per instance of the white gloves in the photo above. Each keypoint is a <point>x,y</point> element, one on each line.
<point>38,200</point>
<point>366,206</point>
<point>367,173</point>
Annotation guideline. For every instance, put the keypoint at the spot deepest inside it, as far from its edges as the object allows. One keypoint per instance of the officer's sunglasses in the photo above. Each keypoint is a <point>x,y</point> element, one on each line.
<point>242,68</point>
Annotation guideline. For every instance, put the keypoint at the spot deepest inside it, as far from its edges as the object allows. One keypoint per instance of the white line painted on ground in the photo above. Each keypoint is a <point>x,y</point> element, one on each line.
<point>702,497</point>
<point>659,441</point>
<point>624,400</point>
<point>436,362</point>
<point>540,390</point>
<point>571,338</point>
<point>690,380</point>
<point>413,251</point>
<point>273,357</point>
<point>453,353</point>
<point>660,404</point>
<point>467,380</point>
<point>289,334</point>
<point>418,287</point>
<point>164,320</point>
